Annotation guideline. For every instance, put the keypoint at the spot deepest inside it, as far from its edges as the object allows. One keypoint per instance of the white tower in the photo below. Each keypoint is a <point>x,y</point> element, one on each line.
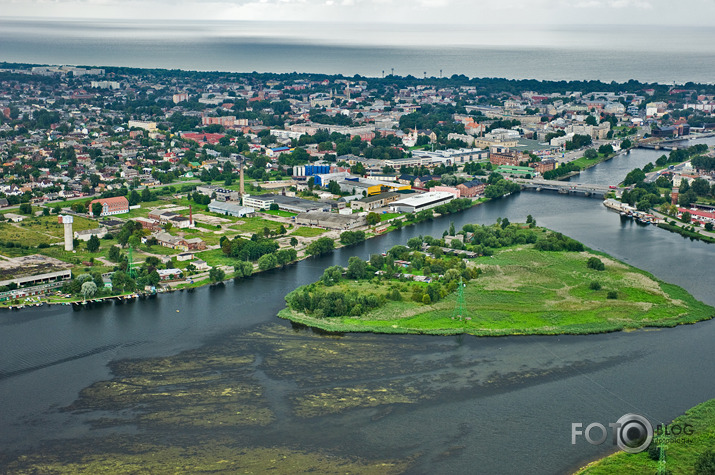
<point>69,236</point>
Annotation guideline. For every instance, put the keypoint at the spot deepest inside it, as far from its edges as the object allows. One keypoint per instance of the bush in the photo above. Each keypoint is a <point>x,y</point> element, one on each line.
<point>612,294</point>
<point>705,465</point>
<point>595,263</point>
<point>595,286</point>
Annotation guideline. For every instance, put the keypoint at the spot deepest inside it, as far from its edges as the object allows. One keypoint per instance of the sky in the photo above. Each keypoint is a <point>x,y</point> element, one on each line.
<point>424,12</point>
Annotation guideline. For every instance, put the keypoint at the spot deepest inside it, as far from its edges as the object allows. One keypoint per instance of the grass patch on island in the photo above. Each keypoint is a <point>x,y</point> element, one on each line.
<point>519,289</point>
<point>682,452</point>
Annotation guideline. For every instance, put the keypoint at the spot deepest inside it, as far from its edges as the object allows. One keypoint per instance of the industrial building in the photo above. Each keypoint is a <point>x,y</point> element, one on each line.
<point>370,203</point>
<point>285,203</point>
<point>420,202</point>
<point>34,270</point>
<point>230,209</point>
<point>330,220</point>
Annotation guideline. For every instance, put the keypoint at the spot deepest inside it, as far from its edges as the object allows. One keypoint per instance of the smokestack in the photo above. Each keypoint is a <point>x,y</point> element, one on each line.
<point>243,190</point>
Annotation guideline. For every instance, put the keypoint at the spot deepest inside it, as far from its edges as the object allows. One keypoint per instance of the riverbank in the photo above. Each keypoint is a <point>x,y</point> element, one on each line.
<point>373,231</point>
<point>519,290</point>
<point>684,450</point>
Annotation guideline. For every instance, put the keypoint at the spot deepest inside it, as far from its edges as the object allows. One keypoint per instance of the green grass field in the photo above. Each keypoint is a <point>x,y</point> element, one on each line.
<point>680,456</point>
<point>584,162</point>
<point>308,232</point>
<point>525,291</point>
<point>256,225</point>
<point>41,230</point>
<point>281,213</point>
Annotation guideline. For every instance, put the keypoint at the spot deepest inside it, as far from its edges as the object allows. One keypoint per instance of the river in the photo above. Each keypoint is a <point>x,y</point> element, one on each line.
<point>522,424</point>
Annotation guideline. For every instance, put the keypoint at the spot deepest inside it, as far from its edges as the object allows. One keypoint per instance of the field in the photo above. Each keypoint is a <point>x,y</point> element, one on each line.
<point>680,456</point>
<point>307,232</point>
<point>278,212</point>
<point>255,225</point>
<point>41,230</point>
<point>525,291</point>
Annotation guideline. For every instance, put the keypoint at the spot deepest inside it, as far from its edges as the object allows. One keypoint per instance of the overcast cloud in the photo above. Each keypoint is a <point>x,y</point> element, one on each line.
<point>530,12</point>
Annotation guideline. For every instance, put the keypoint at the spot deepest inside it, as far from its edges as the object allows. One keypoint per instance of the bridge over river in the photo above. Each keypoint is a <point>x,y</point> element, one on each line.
<point>564,187</point>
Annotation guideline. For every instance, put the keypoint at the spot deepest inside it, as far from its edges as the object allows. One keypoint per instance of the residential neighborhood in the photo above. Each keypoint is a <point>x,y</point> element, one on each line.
<point>174,178</point>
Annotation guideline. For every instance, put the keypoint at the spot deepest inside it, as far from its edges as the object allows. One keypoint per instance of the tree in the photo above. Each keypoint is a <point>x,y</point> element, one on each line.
<point>372,218</point>
<point>115,255</point>
<point>243,269</point>
<point>216,275</point>
<point>273,207</point>
<point>686,217</point>
<point>626,144</point>
<point>267,261</point>
<point>357,268</point>
<point>286,256</point>
<point>606,149</point>
<point>352,237</point>
<point>93,243</point>
<point>685,199</point>
<point>332,275</point>
<point>322,246</point>
<point>26,208</point>
<point>153,278</point>
<point>88,289</point>
<point>591,120</point>
<point>333,187</point>
<point>709,227</point>
<point>590,154</point>
<point>293,241</point>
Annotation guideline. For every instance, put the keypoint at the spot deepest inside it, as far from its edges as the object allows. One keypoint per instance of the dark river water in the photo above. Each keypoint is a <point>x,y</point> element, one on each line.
<point>48,355</point>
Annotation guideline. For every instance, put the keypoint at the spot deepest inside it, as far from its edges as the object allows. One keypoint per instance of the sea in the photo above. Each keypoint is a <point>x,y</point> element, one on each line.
<point>608,53</point>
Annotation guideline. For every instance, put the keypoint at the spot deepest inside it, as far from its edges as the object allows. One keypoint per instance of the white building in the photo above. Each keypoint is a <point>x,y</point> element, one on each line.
<point>417,203</point>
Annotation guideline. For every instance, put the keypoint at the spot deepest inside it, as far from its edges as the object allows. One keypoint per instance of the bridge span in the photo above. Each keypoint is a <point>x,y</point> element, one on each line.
<point>564,187</point>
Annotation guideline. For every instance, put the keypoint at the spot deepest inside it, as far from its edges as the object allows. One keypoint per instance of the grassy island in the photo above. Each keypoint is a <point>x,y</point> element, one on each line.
<point>685,453</point>
<point>503,279</point>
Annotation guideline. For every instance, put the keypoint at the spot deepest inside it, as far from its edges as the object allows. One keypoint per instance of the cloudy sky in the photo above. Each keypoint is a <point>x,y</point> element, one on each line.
<point>477,12</point>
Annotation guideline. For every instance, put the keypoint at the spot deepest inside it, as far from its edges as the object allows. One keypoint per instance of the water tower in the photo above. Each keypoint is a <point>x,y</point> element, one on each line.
<point>69,236</point>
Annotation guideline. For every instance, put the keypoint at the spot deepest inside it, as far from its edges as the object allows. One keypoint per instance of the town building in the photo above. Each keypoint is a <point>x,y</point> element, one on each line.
<point>111,206</point>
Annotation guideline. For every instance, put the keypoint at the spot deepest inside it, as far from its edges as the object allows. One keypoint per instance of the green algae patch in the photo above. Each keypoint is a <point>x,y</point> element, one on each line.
<point>339,399</point>
<point>187,389</point>
<point>682,452</point>
<point>129,456</point>
<point>517,289</point>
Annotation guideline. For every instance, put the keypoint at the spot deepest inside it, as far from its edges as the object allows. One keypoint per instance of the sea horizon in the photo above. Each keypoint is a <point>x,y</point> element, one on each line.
<point>595,52</point>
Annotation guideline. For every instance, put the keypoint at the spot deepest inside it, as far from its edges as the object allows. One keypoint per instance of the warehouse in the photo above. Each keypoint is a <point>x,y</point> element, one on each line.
<point>330,220</point>
<point>230,209</point>
<point>285,203</point>
<point>417,203</point>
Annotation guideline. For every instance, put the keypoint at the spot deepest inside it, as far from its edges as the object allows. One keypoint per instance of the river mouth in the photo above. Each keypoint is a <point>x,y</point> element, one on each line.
<point>278,392</point>
<point>438,413</point>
